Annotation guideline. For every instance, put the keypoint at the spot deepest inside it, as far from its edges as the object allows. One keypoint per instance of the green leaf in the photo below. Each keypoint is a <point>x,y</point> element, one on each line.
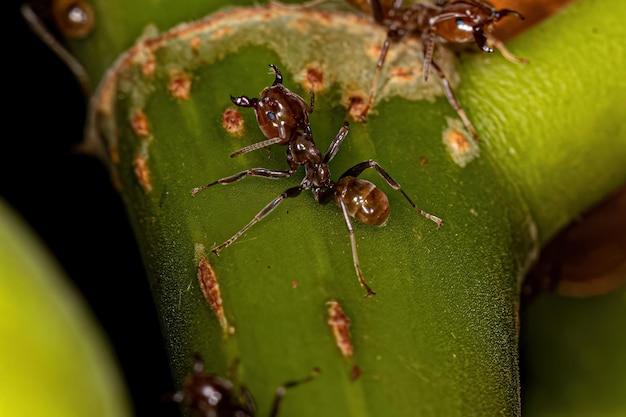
<point>54,357</point>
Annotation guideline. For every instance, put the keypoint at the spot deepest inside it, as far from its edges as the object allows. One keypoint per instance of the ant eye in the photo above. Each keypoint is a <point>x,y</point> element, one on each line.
<point>271,115</point>
<point>462,25</point>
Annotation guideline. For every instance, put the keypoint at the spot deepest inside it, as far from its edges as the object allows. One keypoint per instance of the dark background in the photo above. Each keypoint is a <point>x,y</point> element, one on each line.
<point>69,201</point>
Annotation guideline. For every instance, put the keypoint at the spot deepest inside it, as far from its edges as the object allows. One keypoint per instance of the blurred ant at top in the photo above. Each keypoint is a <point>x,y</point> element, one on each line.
<point>52,20</point>
<point>444,22</point>
<point>209,395</point>
<point>357,198</point>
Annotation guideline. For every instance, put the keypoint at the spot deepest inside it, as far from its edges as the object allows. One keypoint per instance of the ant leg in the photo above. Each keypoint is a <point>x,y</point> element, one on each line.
<point>312,105</point>
<point>356,170</point>
<point>255,172</point>
<point>429,49</point>
<point>280,391</point>
<point>44,34</point>
<point>428,36</point>
<point>258,145</point>
<point>454,102</point>
<point>291,192</point>
<point>378,15</point>
<point>377,11</point>
<point>355,256</point>
<point>374,86</point>
<point>334,145</point>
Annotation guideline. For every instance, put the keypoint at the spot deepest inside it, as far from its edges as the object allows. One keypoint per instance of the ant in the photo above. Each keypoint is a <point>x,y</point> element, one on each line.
<point>208,395</point>
<point>356,197</point>
<point>446,21</point>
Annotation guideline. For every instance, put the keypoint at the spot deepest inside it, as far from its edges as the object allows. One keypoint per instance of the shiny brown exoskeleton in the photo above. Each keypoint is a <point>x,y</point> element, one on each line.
<point>454,21</point>
<point>280,113</point>
<point>356,197</point>
<point>208,395</point>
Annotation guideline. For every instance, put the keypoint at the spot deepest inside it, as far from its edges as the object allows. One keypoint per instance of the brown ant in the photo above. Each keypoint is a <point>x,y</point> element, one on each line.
<point>280,113</point>
<point>356,197</point>
<point>453,21</point>
<point>208,395</point>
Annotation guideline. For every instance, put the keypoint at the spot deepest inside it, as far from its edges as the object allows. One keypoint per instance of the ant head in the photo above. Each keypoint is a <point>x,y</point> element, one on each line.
<point>279,112</point>
<point>464,21</point>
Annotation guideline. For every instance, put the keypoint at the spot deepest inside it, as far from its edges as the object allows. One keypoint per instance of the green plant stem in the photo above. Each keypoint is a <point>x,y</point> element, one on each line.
<point>440,336</point>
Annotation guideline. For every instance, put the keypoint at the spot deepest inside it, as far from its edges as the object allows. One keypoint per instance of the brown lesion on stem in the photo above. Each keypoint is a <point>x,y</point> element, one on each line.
<point>211,292</point>
<point>460,146</point>
<point>356,372</point>
<point>139,123</point>
<point>142,171</point>
<point>179,84</point>
<point>314,78</point>
<point>232,122</point>
<point>340,325</point>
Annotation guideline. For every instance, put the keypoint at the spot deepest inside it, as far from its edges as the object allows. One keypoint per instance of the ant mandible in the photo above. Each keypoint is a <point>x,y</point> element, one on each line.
<point>454,21</point>
<point>208,395</point>
<point>356,197</point>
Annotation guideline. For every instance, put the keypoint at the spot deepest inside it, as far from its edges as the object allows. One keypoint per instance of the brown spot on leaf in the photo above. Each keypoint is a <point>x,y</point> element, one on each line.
<point>142,172</point>
<point>139,123</point>
<point>211,291</point>
<point>356,106</point>
<point>356,372</point>
<point>458,141</point>
<point>401,74</point>
<point>314,79</point>
<point>423,160</point>
<point>232,121</point>
<point>460,146</point>
<point>340,324</point>
<point>148,66</point>
<point>179,85</point>
<point>194,43</point>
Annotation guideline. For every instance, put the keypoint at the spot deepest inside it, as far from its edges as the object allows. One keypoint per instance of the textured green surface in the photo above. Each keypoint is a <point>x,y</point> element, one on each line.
<point>573,356</point>
<point>440,336</point>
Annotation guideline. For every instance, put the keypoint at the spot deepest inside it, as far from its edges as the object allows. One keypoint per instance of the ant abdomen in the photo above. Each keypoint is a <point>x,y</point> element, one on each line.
<point>363,200</point>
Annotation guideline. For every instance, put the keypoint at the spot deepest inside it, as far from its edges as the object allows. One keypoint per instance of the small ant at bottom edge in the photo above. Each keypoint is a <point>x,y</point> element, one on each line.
<point>208,395</point>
